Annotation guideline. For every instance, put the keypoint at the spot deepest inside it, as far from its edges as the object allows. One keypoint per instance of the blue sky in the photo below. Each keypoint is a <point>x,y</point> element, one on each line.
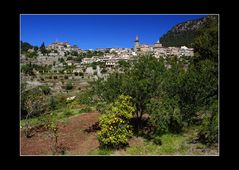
<point>97,31</point>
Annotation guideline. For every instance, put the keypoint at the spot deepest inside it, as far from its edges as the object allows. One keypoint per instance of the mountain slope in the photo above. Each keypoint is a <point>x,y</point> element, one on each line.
<point>184,33</point>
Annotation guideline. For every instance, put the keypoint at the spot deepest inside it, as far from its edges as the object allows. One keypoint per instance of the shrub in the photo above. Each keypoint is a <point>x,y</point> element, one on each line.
<point>69,58</point>
<point>198,88</point>
<point>85,110</point>
<point>94,66</point>
<point>49,121</point>
<point>103,71</point>
<point>166,116</point>
<point>27,69</point>
<point>157,140</point>
<point>30,99</point>
<point>101,106</point>
<point>32,104</point>
<point>65,77</point>
<point>114,123</point>
<point>67,112</point>
<point>208,133</point>
<point>76,73</point>
<point>45,89</point>
<point>55,77</point>
<point>61,101</point>
<point>81,74</point>
<point>85,97</point>
<point>52,103</point>
<point>69,85</point>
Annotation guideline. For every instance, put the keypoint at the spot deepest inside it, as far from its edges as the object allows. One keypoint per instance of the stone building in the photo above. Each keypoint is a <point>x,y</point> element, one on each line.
<point>145,47</point>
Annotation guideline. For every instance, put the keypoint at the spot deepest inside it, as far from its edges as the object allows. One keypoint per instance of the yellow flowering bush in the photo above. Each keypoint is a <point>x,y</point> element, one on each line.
<point>114,123</point>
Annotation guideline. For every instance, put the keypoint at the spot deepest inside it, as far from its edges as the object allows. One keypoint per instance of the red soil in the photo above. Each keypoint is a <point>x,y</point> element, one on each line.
<point>72,136</point>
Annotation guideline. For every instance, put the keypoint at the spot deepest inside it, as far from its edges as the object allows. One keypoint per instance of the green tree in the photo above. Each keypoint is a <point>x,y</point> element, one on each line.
<point>31,54</point>
<point>27,69</point>
<point>81,74</point>
<point>199,87</point>
<point>165,115</point>
<point>43,48</point>
<point>208,133</point>
<point>25,47</point>
<point>74,53</point>
<point>69,58</point>
<point>52,103</point>
<point>206,43</point>
<point>69,85</point>
<point>109,90</point>
<point>141,82</point>
<point>36,48</point>
<point>123,64</point>
<point>61,60</point>
<point>45,90</point>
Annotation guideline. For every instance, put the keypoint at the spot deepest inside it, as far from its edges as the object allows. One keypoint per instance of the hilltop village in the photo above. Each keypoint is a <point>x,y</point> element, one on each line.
<point>66,61</point>
<point>59,51</point>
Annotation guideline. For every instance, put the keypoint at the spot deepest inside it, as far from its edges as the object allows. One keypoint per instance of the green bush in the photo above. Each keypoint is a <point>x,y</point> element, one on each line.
<point>198,88</point>
<point>69,85</point>
<point>67,112</point>
<point>114,123</point>
<point>32,101</point>
<point>45,89</point>
<point>208,133</point>
<point>104,71</point>
<point>101,106</point>
<point>157,140</point>
<point>81,74</point>
<point>85,97</point>
<point>76,73</point>
<point>61,101</point>
<point>165,115</point>
<point>27,69</point>
<point>52,103</point>
<point>85,110</point>
<point>69,58</point>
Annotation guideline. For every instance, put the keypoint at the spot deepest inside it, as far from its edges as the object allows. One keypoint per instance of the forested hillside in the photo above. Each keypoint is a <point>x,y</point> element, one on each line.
<point>185,33</point>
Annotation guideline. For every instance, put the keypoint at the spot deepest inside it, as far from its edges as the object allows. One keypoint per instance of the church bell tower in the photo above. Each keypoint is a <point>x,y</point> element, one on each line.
<point>136,43</point>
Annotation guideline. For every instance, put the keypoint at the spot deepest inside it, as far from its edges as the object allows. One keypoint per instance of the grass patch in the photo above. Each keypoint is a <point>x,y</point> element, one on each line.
<point>33,122</point>
<point>61,115</point>
<point>147,149</point>
<point>101,152</point>
<point>85,110</point>
<point>171,144</point>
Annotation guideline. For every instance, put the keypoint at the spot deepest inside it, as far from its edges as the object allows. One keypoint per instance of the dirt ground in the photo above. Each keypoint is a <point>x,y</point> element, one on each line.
<point>72,136</point>
<point>77,135</point>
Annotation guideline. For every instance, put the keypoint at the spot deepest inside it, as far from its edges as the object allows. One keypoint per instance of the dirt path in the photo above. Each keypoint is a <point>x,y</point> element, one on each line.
<point>72,135</point>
